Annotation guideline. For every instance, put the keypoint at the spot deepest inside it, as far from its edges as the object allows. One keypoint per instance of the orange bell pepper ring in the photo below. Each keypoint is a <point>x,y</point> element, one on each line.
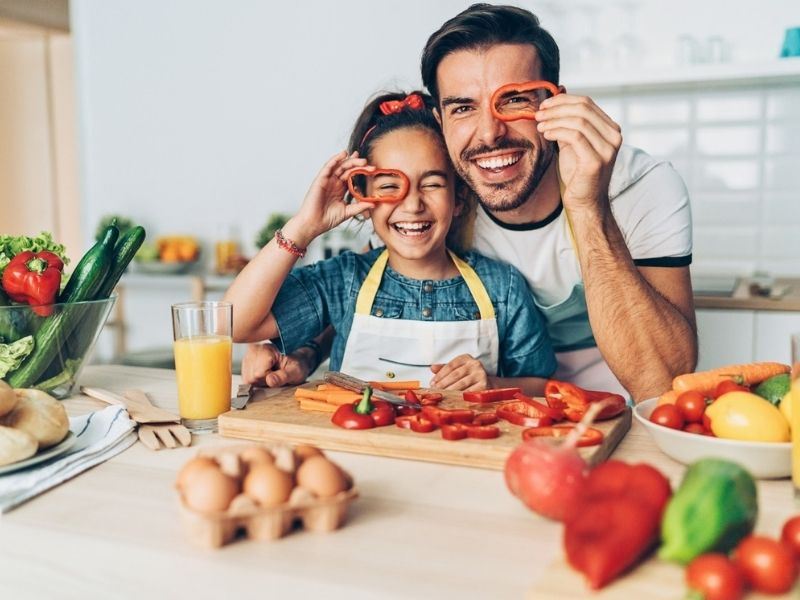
<point>390,185</point>
<point>516,101</point>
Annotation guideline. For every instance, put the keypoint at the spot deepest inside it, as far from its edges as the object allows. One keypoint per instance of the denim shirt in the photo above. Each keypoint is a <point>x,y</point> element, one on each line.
<point>325,293</point>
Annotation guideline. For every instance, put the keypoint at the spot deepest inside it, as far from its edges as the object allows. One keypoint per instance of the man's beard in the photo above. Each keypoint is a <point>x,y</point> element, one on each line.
<point>501,199</point>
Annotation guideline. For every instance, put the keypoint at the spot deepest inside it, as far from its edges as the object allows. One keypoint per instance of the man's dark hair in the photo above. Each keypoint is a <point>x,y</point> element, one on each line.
<point>484,25</point>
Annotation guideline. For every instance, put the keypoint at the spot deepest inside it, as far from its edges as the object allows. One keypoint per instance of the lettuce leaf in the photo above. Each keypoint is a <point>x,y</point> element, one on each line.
<point>11,245</point>
<point>12,355</point>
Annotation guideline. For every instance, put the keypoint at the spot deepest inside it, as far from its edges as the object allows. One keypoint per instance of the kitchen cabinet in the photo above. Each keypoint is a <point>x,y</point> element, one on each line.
<point>773,332</point>
<point>725,337</point>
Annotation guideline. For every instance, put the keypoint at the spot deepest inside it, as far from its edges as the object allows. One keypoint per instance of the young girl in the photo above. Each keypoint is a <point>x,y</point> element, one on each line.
<point>406,310</point>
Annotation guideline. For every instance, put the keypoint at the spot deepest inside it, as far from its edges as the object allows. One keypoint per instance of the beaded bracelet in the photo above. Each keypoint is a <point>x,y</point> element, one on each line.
<point>289,245</point>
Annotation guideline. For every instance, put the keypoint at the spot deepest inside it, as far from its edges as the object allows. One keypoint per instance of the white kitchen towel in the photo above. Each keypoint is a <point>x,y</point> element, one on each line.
<point>100,435</point>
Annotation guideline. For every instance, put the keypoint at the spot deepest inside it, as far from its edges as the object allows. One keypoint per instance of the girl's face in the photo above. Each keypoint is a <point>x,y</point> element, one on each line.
<point>416,227</point>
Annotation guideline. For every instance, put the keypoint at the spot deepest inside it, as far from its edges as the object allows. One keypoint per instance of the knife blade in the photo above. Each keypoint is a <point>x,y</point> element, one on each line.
<point>349,382</point>
<point>242,397</point>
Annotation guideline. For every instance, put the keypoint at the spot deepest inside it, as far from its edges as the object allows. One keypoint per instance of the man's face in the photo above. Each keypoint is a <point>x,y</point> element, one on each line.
<point>502,162</point>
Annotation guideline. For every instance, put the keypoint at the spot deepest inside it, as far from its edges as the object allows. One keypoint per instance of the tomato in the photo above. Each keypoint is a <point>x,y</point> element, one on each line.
<point>694,428</point>
<point>790,535</point>
<point>692,405</point>
<point>668,415</point>
<point>729,385</point>
<point>715,577</point>
<point>768,565</point>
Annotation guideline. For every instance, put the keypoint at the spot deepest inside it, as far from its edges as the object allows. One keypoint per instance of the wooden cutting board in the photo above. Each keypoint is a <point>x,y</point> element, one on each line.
<point>279,418</point>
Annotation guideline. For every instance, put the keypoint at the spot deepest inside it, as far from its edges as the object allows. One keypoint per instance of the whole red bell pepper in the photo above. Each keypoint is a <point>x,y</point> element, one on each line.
<point>34,278</point>
<point>575,401</point>
<point>364,414</point>
<point>618,520</point>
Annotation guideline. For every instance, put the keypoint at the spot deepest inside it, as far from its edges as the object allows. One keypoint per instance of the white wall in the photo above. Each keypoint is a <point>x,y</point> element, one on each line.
<point>195,113</point>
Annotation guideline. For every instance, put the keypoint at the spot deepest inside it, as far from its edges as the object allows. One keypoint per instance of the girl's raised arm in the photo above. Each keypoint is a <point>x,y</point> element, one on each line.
<point>253,291</point>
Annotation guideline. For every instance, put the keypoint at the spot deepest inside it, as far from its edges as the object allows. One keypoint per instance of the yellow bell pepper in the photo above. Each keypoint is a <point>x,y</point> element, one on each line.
<point>786,407</point>
<point>745,416</point>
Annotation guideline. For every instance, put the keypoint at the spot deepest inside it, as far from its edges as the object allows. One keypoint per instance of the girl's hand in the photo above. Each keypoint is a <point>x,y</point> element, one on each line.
<point>323,207</point>
<point>463,373</point>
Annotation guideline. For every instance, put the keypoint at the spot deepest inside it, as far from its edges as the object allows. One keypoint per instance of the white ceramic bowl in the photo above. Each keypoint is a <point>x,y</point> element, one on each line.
<point>764,460</point>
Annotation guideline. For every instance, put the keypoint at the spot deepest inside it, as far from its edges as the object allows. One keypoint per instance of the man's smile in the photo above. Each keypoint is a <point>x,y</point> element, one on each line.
<point>498,162</point>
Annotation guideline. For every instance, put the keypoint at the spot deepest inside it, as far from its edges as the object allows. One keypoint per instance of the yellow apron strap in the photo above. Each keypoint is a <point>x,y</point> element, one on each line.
<point>476,287</point>
<point>366,295</point>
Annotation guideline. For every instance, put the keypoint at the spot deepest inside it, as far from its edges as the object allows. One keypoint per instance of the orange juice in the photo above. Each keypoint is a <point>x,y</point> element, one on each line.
<point>203,369</point>
<point>225,250</point>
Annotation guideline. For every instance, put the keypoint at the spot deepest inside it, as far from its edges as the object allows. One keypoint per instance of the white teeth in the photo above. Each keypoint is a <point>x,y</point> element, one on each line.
<point>498,162</point>
<point>415,228</point>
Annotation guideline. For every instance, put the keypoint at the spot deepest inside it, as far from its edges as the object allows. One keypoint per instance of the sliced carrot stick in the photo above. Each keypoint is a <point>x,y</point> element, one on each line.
<point>329,387</point>
<point>310,394</point>
<point>339,398</point>
<point>395,385</point>
<point>316,405</point>
<point>668,397</point>
<point>706,382</point>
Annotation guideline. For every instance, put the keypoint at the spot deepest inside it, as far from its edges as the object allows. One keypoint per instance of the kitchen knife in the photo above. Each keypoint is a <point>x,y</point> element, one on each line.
<point>242,397</point>
<point>349,382</point>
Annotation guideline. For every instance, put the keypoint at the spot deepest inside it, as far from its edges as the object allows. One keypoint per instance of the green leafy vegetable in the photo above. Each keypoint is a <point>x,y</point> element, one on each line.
<point>12,355</point>
<point>11,245</point>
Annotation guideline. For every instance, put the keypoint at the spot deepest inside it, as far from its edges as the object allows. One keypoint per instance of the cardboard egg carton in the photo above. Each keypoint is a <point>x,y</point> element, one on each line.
<point>213,530</point>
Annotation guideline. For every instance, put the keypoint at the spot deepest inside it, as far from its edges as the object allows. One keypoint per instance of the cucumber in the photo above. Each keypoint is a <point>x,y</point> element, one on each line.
<point>83,284</point>
<point>124,251</point>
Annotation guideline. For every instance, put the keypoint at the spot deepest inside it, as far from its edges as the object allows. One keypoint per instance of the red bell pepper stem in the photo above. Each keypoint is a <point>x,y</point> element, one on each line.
<point>364,407</point>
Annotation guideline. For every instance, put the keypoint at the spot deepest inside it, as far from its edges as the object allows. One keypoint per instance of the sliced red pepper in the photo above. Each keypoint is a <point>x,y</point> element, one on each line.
<point>554,412</point>
<point>459,431</point>
<point>520,412</point>
<point>577,400</point>
<point>591,436</point>
<point>448,416</point>
<point>487,418</point>
<point>364,414</point>
<point>406,411</point>
<point>34,278</point>
<point>496,395</point>
<point>416,423</point>
<point>425,399</point>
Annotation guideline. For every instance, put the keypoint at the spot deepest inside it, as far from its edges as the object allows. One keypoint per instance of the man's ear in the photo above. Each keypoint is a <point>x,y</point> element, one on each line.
<point>437,116</point>
<point>562,89</point>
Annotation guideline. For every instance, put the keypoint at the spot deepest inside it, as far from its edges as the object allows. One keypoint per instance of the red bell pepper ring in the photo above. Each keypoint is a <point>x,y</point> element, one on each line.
<point>459,431</point>
<point>496,395</point>
<point>364,414</point>
<point>393,195</point>
<point>34,278</point>
<point>591,436</point>
<point>526,414</point>
<point>487,418</point>
<point>416,423</point>
<point>447,416</point>
<point>576,400</point>
<point>516,101</point>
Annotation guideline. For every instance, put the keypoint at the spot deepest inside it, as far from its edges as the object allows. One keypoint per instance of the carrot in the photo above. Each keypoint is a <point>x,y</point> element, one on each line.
<point>706,382</point>
<point>336,398</point>
<point>395,385</point>
<point>310,394</point>
<point>668,397</point>
<point>316,405</point>
<point>329,387</point>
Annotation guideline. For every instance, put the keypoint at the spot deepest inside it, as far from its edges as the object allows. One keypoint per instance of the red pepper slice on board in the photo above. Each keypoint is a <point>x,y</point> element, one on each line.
<point>416,423</point>
<point>554,412</point>
<point>406,411</point>
<point>459,431</point>
<point>364,414</point>
<point>576,400</point>
<point>487,418</point>
<point>448,416</point>
<point>425,399</point>
<point>520,412</point>
<point>34,278</point>
<point>495,395</point>
<point>591,436</point>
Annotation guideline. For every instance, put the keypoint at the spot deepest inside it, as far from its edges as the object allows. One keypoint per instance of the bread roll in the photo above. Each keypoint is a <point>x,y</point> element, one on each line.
<point>40,415</point>
<point>15,445</point>
<point>8,399</point>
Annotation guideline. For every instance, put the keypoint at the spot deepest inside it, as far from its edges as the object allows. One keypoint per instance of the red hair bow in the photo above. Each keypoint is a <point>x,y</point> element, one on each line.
<point>412,101</point>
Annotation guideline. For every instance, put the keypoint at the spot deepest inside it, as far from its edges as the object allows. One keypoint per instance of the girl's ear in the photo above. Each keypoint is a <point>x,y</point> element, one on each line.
<point>437,116</point>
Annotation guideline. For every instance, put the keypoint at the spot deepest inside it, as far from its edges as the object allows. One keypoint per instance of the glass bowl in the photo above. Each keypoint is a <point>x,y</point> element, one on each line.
<point>63,336</point>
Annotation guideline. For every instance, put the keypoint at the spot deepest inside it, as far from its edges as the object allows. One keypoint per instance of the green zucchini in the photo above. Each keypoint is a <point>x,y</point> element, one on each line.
<point>83,284</point>
<point>124,251</point>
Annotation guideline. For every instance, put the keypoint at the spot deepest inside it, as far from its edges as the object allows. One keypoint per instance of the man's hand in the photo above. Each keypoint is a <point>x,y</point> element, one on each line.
<point>263,364</point>
<point>463,373</point>
<point>588,141</point>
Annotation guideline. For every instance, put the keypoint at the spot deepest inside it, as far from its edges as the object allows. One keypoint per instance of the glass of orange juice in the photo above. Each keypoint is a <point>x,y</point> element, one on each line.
<point>794,409</point>
<point>203,345</point>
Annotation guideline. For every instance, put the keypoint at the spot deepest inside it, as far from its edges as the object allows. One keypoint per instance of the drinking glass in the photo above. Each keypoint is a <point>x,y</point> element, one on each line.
<point>203,345</point>
<point>795,410</point>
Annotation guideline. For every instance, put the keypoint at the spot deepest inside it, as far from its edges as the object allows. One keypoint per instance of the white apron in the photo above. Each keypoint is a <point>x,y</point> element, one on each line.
<point>379,349</point>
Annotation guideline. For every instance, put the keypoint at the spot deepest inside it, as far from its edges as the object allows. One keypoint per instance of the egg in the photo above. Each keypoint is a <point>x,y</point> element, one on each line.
<point>304,451</point>
<point>268,485</point>
<point>209,490</point>
<point>321,477</point>
<point>192,467</point>
<point>254,455</point>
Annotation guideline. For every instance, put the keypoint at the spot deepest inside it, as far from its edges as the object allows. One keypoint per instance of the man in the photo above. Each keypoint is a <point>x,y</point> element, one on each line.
<point>602,232</point>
